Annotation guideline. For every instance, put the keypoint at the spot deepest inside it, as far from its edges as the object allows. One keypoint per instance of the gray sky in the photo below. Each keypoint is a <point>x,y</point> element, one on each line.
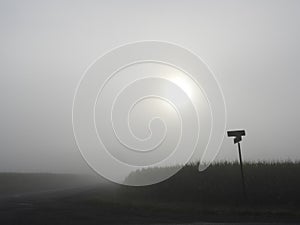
<point>252,46</point>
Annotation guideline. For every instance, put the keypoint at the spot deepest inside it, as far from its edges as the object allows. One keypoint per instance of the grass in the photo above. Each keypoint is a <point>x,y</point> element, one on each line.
<point>268,184</point>
<point>214,195</point>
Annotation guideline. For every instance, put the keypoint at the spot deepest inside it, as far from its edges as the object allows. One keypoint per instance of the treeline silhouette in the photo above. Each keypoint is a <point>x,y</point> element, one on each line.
<point>267,184</point>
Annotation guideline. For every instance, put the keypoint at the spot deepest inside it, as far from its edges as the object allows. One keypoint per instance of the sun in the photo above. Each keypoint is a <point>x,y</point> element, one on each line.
<point>184,83</point>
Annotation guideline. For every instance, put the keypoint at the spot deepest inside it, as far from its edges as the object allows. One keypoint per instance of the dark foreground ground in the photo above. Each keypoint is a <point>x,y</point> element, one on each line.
<point>84,206</point>
<point>206,200</point>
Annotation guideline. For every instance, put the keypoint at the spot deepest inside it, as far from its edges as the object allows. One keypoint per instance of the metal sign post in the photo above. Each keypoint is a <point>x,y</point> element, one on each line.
<point>237,134</point>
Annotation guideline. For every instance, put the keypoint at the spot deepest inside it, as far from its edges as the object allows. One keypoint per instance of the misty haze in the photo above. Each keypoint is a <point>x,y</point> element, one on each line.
<point>151,145</point>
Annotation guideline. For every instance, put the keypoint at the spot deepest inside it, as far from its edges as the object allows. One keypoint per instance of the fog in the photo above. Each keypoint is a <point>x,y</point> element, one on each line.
<point>252,47</point>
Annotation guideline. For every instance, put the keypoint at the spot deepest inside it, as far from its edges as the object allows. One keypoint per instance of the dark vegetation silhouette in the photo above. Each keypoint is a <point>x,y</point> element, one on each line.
<point>268,184</point>
<point>214,195</point>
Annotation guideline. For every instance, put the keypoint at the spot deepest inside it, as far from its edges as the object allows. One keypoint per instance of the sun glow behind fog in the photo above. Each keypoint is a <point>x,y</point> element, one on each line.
<point>187,85</point>
<point>184,84</point>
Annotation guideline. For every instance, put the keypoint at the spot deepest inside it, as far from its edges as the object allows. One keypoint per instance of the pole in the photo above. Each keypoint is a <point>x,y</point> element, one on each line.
<point>237,134</point>
<point>242,172</point>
